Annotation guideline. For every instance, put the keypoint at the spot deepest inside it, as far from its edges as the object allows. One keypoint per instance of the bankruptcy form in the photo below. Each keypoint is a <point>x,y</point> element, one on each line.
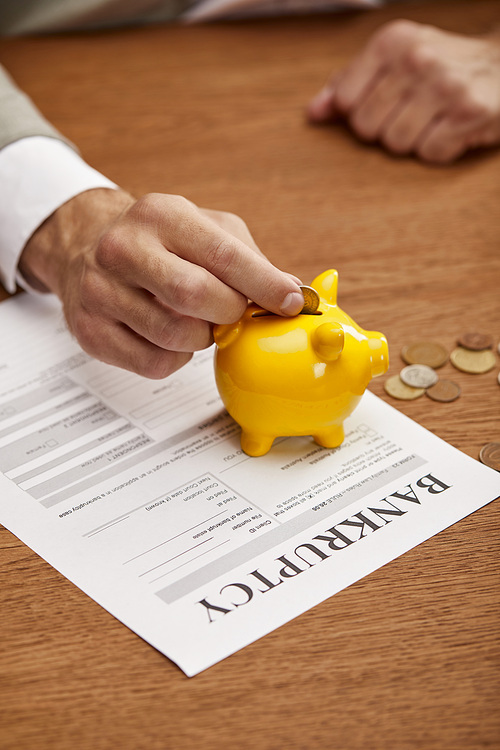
<point>139,493</point>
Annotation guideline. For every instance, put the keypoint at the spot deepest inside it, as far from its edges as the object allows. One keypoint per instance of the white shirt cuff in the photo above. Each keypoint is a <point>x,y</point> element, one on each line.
<point>37,175</point>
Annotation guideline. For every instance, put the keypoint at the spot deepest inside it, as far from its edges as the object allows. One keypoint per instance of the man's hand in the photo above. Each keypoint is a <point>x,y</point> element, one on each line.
<point>143,281</point>
<point>418,89</point>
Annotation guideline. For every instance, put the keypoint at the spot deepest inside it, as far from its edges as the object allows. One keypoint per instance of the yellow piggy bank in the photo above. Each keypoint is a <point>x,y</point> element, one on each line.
<point>296,376</point>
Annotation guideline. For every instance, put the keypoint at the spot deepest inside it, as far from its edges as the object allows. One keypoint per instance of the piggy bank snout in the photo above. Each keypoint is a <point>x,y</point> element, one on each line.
<point>379,353</point>
<point>328,341</point>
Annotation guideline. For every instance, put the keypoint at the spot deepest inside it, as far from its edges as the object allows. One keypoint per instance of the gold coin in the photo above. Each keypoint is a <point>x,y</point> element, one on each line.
<point>311,300</point>
<point>490,455</point>
<point>395,387</point>
<point>476,341</point>
<point>428,353</point>
<point>474,362</point>
<point>444,390</point>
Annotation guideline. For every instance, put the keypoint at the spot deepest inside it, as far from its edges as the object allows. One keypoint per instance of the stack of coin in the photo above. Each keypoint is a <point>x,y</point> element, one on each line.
<point>420,376</point>
<point>473,354</point>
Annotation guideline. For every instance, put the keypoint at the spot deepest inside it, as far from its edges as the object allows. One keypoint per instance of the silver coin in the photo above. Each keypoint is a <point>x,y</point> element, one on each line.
<point>311,300</point>
<point>419,376</point>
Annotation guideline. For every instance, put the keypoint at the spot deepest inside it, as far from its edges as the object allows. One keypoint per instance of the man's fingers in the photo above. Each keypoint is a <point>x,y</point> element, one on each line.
<point>441,143</point>
<point>166,328</point>
<point>463,124</point>
<point>380,104</point>
<point>117,345</point>
<point>234,224</point>
<point>146,315</point>
<point>407,124</point>
<point>184,286</point>
<point>194,237</point>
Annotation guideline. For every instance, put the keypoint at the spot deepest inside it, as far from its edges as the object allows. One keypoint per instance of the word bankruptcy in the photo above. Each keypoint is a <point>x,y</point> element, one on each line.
<point>322,546</point>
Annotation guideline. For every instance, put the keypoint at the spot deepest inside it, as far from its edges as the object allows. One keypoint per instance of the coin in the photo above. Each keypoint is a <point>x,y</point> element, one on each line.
<point>428,353</point>
<point>474,362</point>
<point>418,376</point>
<point>311,300</point>
<point>444,390</point>
<point>490,455</point>
<point>475,341</point>
<point>395,387</point>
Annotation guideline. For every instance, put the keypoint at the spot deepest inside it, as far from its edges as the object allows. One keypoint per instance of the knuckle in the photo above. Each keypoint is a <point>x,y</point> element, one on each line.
<point>148,210</point>
<point>397,33</point>
<point>188,294</point>
<point>450,88</point>
<point>155,208</point>
<point>220,256</point>
<point>160,364</point>
<point>236,309</point>
<point>169,333</point>
<point>471,107</point>
<point>421,59</point>
<point>235,221</point>
<point>111,249</point>
<point>176,205</point>
<point>177,333</point>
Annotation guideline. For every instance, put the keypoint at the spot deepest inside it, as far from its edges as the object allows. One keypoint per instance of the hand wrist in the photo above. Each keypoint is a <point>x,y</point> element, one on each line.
<point>75,226</point>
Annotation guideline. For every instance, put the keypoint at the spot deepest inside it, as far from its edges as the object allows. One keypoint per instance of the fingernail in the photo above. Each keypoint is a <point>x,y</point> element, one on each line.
<point>292,304</point>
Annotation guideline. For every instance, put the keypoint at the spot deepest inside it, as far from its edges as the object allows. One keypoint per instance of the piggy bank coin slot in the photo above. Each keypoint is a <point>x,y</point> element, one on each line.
<point>267,314</point>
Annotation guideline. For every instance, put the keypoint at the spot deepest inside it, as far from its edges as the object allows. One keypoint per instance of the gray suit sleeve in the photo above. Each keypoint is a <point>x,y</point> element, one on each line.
<point>19,118</point>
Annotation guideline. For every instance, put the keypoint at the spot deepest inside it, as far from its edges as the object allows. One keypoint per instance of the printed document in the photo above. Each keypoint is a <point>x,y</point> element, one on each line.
<point>139,493</point>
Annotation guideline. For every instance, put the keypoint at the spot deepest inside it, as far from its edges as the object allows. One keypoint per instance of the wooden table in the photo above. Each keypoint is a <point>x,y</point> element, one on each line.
<point>409,656</point>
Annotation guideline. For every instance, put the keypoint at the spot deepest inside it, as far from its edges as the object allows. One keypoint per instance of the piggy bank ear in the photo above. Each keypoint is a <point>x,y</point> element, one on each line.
<point>326,285</point>
<point>226,334</point>
<point>328,341</point>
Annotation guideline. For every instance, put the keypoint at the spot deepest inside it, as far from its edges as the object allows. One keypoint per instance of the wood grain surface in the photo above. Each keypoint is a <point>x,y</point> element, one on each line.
<point>409,656</point>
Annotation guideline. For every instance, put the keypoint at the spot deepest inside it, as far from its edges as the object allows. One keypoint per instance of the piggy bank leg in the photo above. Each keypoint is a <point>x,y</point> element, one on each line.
<point>330,438</point>
<point>254,444</point>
